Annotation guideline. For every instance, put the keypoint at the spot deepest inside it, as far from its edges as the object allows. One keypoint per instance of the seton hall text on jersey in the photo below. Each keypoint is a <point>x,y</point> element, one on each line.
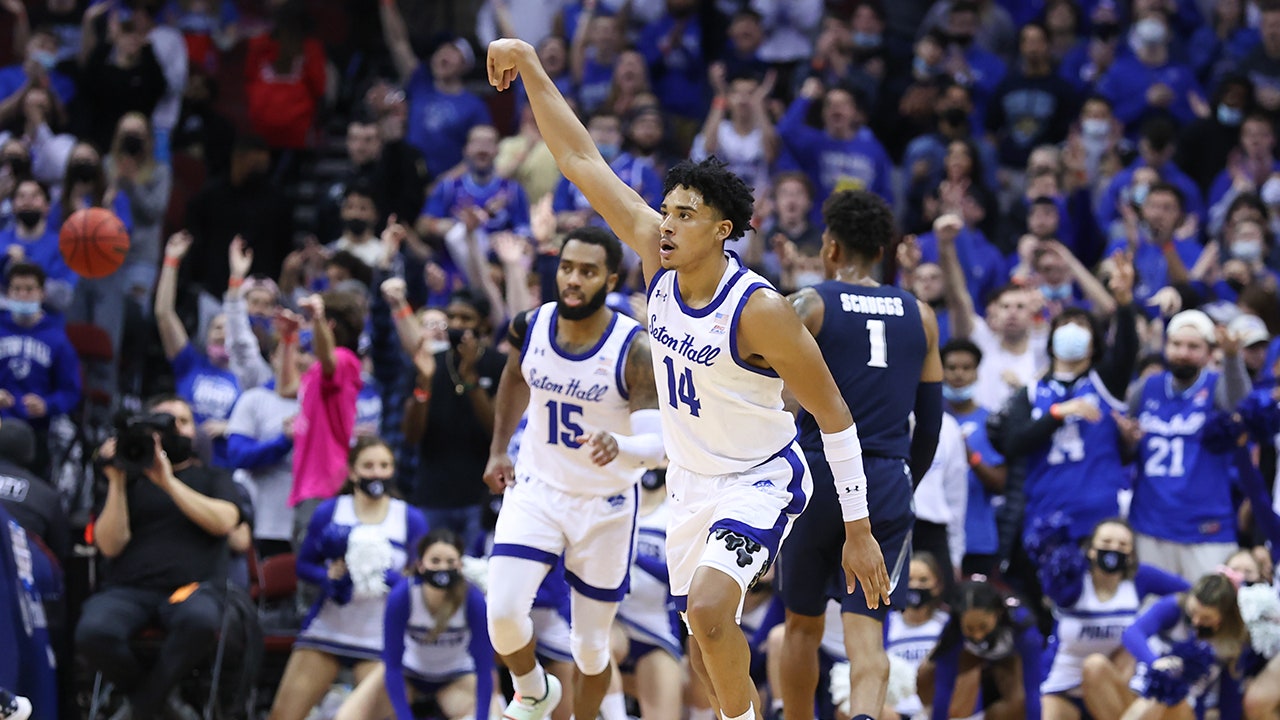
<point>706,355</point>
<point>1189,424</point>
<point>573,388</point>
<point>871,304</point>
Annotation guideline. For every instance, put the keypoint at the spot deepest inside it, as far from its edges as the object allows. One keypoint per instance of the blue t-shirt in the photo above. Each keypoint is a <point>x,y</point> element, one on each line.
<point>14,77</point>
<point>980,534</point>
<point>503,198</point>
<point>210,390</point>
<point>42,251</point>
<point>984,268</point>
<point>439,122</point>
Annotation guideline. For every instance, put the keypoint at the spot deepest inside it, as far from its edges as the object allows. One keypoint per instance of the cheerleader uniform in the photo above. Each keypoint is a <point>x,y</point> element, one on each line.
<point>352,632</point>
<point>912,643</point>
<point>646,612</point>
<point>411,654</point>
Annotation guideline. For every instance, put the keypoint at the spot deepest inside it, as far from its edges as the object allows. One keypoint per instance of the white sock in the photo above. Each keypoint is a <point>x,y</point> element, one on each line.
<point>750,714</point>
<point>614,707</point>
<point>701,714</point>
<point>532,685</point>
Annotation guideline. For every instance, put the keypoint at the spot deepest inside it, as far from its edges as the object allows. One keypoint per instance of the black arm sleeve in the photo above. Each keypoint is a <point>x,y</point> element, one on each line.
<point>1117,367</point>
<point>924,441</point>
<point>518,328</point>
<point>1022,435</point>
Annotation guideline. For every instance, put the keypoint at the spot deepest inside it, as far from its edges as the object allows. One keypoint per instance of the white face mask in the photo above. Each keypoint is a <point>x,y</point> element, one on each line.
<point>1270,192</point>
<point>808,278</point>
<point>1095,128</point>
<point>1247,250</point>
<point>1149,32</point>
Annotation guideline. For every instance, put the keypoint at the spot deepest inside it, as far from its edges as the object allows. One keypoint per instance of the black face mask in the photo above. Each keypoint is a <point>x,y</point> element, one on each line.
<point>1105,31</point>
<point>82,171</point>
<point>955,117</point>
<point>919,597</point>
<point>1236,285</point>
<point>455,336</point>
<point>961,41</point>
<point>1183,372</point>
<point>653,479</point>
<point>179,448</point>
<point>1111,561</point>
<point>441,579</point>
<point>132,144</point>
<point>29,218</point>
<point>18,166</point>
<point>585,310</point>
<point>373,487</point>
<point>356,226</point>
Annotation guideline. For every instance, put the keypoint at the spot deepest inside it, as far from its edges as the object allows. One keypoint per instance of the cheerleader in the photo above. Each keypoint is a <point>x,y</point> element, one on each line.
<point>354,548</point>
<point>1187,646</point>
<point>985,630</point>
<point>912,633</point>
<point>1096,596</point>
<point>435,642</point>
<point>648,652</point>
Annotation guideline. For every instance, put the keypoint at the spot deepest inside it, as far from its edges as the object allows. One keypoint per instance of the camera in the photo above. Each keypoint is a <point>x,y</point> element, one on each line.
<point>135,440</point>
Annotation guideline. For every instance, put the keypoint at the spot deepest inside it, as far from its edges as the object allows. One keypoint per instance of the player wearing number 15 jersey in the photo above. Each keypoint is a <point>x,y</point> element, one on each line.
<point>723,343</point>
<point>584,375</point>
<point>882,347</point>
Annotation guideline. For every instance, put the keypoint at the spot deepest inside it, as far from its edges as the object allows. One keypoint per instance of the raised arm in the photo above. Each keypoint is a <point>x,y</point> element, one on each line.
<point>627,214</point>
<point>321,334</point>
<point>959,302</point>
<point>396,35</point>
<point>771,335</point>
<point>173,336</point>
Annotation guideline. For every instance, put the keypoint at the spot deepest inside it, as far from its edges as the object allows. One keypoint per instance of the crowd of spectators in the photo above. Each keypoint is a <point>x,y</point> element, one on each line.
<point>333,219</point>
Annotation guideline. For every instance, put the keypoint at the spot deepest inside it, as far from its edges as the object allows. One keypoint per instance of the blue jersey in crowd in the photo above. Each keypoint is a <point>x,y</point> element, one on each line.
<point>38,360</point>
<point>980,534</point>
<point>873,341</point>
<point>42,251</point>
<point>1078,450</point>
<point>1183,491</point>
<point>502,198</point>
<point>638,176</point>
<point>439,122</point>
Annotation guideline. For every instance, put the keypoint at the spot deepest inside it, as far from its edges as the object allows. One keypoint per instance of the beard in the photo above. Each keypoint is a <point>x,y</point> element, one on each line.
<point>586,309</point>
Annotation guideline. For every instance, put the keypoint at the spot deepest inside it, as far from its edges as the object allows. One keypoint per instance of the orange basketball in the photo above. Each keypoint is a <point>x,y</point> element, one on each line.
<point>93,242</point>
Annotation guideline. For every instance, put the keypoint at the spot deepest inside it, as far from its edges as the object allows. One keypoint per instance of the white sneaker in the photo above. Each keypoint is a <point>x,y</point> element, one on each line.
<point>531,709</point>
<point>15,707</point>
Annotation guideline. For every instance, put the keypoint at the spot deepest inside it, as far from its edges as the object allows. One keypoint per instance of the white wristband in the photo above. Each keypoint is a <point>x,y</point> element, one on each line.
<point>643,447</point>
<point>844,455</point>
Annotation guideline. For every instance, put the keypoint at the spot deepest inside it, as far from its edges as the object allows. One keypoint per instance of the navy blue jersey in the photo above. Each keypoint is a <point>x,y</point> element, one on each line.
<point>873,341</point>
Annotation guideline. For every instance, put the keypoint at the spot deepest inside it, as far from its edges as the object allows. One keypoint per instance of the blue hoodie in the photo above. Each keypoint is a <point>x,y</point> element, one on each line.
<point>38,360</point>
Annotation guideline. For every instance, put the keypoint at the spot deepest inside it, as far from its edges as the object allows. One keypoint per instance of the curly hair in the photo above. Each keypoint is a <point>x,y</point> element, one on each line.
<point>720,189</point>
<point>860,221</point>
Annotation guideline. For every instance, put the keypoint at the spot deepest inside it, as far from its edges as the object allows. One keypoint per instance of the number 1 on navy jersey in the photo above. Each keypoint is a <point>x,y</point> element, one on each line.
<point>681,390</point>
<point>879,349</point>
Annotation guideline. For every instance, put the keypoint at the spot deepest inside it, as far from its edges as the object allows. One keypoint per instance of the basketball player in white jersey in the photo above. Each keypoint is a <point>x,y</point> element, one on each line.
<point>723,344</point>
<point>583,373</point>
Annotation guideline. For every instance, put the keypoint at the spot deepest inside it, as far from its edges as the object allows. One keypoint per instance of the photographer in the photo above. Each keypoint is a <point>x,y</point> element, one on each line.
<point>162,523</point>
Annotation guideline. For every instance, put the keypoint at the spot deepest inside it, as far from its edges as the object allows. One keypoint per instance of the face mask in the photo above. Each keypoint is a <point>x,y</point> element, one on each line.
<point>18,165</point>
<point>438,346</point>
<point>260,323</point>
<point>964,393</point>
<point>179,448</point>
<point>82,171</point>
<point>1071,342</point>
<point>919,597</point>
<point>132,145</point>
<point>24,308</point>
<point>653,479</point>
<point>922,68</point>
<point>1270,192</point>
<point>1247,250</point>
<point>1236,285</point>
<point>808,279</point>
<point>217,354</point>
<point>45,59</point>
<point>373,487</point>
<point>955,116</point>
<point>867,40</point>
<point>962,41</point>
<point>1229,116</point>
<point>1095,128</point>
<point>356,226</point>
<point>1183,372</point>
<point>1149,32</point>
<point>996,645</point>
<point>1204,632</point>
<point>609,151</point>
<point>1111,561</point>
<point>1056,292</point>
<point>29,219</point>
<point>440,579</point>
<point>1139,194</point>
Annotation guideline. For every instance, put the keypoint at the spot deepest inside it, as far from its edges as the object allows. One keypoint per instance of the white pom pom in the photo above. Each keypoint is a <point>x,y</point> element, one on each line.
<point>369,557</point>
<point>476,572</point>
<point>840,687</point>
<point>1260,609</point>
<point>902,681</point>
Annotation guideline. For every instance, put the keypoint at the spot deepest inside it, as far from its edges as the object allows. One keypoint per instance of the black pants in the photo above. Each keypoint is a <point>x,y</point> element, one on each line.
<point>931,537</point>
<point>112,618</point>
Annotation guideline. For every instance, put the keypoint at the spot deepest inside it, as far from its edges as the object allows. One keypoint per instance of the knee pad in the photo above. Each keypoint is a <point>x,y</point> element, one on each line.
<point>590,651</point>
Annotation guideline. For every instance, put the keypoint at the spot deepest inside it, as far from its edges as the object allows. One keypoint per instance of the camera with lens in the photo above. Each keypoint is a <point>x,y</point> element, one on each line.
<point>135,440</point>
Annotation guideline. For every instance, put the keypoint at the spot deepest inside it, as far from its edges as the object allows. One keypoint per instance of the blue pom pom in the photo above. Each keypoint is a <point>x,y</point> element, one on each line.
<point>341,590</point>
<point>1061,570</point>
<point>1197,659</point>
<point>1046,534</point>
<point>333,542</point>
<point>1163,686</point>
<point>1261,415</point>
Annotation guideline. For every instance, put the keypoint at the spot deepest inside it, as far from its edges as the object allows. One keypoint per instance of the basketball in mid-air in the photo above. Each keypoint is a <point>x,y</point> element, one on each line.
<point>93,242</point>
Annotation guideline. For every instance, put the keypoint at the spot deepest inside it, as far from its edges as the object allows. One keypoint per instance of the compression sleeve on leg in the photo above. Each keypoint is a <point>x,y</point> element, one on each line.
<point>643,447</point>
<point>844,455</point>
